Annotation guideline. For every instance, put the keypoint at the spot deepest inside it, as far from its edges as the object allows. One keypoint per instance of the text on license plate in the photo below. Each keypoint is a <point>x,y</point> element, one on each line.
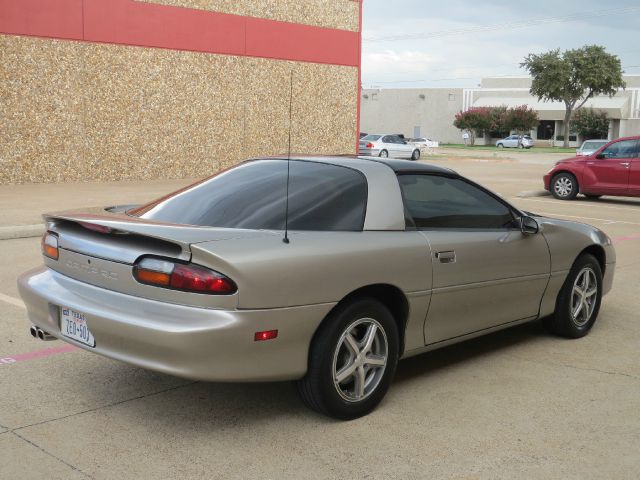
<point>74,325</point>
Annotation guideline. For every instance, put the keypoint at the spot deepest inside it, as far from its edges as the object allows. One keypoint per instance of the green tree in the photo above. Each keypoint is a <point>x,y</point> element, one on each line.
<point>522,119</point>
<point>573,77</point>
<point>591,124</point>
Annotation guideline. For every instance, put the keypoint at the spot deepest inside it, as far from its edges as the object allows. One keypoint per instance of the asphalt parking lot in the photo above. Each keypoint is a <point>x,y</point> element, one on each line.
<point>516,404</point>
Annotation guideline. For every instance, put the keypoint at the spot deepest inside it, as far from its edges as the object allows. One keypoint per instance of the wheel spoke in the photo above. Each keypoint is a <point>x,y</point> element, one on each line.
<point>360,378</point>
<point>585,281</point>
<point>577,311</point>
<point>369,337</point>
<point>591,292</point>
<point>375,360</point>
<point>352,344</point>
<point>346,372</point>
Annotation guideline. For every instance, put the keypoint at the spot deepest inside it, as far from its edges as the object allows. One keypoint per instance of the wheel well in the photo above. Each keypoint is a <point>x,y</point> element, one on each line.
<point>598,252</point>
<point>391,297</point>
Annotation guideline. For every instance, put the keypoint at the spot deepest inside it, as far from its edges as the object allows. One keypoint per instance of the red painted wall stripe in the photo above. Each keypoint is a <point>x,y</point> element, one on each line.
<point>45,18</point>
<point>128,22</point>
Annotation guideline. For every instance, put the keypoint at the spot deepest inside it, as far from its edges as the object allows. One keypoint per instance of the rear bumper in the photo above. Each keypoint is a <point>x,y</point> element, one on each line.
<point>190,342</point>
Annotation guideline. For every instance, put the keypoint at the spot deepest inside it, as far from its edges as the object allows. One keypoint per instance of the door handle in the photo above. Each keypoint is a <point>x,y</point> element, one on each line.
<point>625,164</point>
<point>446,257</point>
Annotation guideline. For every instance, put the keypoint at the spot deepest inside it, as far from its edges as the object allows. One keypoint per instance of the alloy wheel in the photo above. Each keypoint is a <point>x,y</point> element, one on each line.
<point>360,359</point>
<point>563,187</point>
<point>584,296</point>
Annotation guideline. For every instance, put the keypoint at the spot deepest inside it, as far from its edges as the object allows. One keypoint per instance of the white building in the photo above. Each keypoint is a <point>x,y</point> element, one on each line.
<point>429,112</point>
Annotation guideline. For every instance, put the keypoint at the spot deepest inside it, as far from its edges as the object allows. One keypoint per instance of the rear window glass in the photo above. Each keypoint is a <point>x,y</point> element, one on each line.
<point>253,195</point>
<point>372,138</point>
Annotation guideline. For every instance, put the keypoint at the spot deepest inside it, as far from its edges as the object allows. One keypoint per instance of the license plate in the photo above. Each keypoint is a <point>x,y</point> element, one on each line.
<point>74,325</point>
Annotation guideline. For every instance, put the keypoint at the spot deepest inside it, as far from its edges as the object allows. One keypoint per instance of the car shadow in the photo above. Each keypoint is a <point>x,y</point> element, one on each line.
<point>468,351</point>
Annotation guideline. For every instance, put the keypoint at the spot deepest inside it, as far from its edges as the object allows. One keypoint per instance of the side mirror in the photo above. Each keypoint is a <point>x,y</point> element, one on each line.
<point>528,225</point>
<point>601,156</point>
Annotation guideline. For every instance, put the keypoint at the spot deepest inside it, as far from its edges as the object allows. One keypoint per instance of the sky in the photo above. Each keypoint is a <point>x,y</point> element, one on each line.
<point>455,43</point>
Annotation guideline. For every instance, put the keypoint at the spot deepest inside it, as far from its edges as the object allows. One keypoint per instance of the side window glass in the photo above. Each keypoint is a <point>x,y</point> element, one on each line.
<point>436,202</point>
<point>622,149</point>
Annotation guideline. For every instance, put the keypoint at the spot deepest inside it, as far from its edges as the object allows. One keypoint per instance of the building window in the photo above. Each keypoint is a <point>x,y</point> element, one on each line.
<point>452,97</point>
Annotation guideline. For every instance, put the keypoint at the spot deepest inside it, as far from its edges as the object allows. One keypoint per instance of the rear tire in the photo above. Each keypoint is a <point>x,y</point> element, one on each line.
<point>344,384</point>
<point>415,155</point>
<point>564,186</point>
<point>578,302</point>
<point>384,154</point>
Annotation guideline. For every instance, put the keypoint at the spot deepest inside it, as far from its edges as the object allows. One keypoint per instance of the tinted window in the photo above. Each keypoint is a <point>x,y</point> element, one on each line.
<point>440,202</point>
<point>253,195</point>
<point>372,138</point>
<point>387,139</point>
<point>622,149</point>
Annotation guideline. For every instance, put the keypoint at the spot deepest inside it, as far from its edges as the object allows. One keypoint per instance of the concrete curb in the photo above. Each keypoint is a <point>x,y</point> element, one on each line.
<point>533,193</point>
<point>21,231</point>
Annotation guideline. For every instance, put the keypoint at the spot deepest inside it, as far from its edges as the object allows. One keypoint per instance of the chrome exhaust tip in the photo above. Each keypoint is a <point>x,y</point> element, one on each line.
<point>33,331</point>
<point>44,336</point>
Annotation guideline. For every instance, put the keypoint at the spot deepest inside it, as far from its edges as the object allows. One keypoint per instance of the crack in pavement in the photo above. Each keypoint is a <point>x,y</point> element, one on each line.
<point>574,367</point>
<point>73,467</point>
<point>13,430</point>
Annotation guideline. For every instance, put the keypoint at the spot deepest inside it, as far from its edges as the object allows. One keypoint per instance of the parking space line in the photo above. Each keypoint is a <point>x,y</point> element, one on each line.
<point>626,238</point>
<point>47,352</point>
<point>12,300</point>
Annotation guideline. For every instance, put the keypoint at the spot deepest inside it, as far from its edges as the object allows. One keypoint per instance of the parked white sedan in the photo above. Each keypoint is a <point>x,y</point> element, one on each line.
<point>388,146</point>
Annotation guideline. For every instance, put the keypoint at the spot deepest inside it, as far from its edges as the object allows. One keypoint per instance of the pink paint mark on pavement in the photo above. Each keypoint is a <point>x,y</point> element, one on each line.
<point>626,238</point>
<point>47,352</point>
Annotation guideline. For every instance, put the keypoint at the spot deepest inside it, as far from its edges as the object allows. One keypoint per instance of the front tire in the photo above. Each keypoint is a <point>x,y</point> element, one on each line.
<point>352,360</point>
<point>579,299</point>
<point>415,155</point>
<point>384,154</point>
<point>564,186</point>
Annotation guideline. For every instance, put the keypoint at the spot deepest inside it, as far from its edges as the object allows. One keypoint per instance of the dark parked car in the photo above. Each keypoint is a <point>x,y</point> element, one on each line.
<point>612,170</point>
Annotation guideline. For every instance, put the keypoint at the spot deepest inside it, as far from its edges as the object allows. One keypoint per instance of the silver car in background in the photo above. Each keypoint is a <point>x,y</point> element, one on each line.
<point>515,141</point>
<point>589,147</point>
<point>388,146</point>
<point>321,270</point>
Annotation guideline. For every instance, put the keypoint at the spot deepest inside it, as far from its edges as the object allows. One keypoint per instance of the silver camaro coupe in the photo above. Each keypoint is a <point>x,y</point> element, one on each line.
<point>326,271</point>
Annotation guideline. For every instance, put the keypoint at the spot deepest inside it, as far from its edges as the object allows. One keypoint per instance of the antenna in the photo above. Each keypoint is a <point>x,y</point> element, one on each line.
<point>286,210</point>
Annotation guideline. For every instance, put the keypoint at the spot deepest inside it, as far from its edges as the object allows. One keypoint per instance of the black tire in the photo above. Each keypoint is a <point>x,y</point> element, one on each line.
<point>521,147</point>
<point>500,145</point>
<point>563,322</point>
<point>564,186</point>
<point>318,389</point>
<point>415,155</point>
<point>383,154</point>
<point>592,197</point>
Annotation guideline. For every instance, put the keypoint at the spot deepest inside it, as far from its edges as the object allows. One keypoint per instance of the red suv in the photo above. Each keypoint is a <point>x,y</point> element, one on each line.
<point>612,170</point>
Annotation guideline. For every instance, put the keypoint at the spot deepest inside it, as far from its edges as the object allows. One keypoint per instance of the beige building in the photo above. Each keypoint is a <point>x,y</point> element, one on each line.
<point>430,112</point>
<point>124,89</point>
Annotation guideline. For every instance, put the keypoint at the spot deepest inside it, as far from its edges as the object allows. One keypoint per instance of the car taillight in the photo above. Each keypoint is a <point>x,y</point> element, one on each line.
<point>178,276</point>
<point>369,145</point>
<point>49,245</point>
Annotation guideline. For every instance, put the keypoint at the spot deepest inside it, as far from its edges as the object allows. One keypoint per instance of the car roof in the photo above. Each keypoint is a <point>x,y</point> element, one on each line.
<point>398,166</point>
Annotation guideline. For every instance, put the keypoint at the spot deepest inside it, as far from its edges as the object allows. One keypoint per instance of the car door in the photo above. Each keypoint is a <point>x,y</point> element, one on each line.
<point>608,172</point>
<point>486,272</point>
<point>405,148</point>
<point>399,147</point>
<point>512,141</point>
